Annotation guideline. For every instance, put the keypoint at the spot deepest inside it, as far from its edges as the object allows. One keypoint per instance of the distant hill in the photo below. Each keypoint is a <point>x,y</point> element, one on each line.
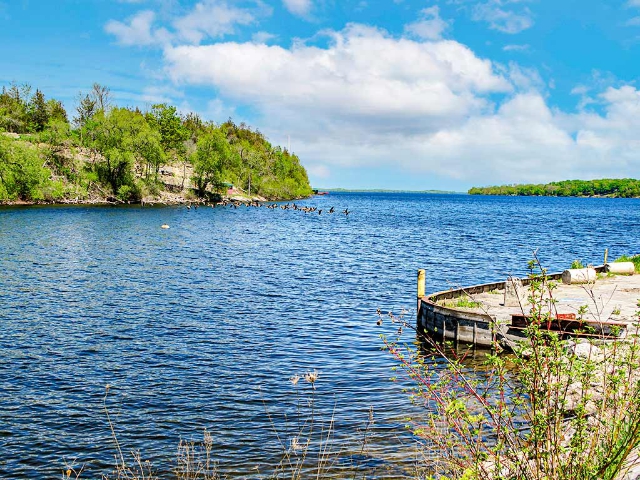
<point>606,187</point>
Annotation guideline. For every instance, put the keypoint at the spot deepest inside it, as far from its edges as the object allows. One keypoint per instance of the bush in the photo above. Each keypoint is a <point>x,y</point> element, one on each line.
<point>552,410</point>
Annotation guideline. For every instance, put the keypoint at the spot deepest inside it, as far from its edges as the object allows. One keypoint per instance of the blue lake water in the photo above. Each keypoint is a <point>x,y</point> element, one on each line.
<point>201,325</point>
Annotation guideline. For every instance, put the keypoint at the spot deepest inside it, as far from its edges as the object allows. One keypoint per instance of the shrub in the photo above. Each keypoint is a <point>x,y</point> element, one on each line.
<point>551,410</point>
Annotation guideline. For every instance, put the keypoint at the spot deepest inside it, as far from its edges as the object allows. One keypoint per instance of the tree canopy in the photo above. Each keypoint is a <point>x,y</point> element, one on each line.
<point>609,187</point>
<point>122,151</point>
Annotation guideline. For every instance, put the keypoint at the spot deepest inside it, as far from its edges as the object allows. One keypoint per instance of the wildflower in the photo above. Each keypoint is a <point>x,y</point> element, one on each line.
<point>208,439</point>
<point>295,444</point>
<point>295,379</point>
<point>311,377</point>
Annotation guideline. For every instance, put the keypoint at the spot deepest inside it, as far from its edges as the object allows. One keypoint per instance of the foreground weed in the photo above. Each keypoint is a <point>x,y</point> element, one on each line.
<point>551,410</point>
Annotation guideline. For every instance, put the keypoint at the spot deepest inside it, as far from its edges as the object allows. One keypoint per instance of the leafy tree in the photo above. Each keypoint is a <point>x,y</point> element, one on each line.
<point>213,153</point>
<point>113,137</point>
<point>173,134</point>
<point>56,111</point>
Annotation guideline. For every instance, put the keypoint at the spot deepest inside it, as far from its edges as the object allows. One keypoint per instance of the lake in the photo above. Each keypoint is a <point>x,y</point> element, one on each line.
<point>201,325</point>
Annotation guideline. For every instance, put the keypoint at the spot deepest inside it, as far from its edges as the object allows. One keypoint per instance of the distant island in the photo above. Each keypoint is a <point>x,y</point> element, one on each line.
<point>112,154</point>
<point>380,190</point>
<point>606,187</point>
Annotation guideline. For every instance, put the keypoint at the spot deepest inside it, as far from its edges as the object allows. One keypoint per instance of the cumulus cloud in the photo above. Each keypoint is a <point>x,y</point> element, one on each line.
<point>415,102</point>
<point>212,19</point>
<point>301,8</point>
<point>503,18</point>
<point>209,19</point>
<point>429,107</point>
<point>430,26</point>
<point>137,30</point>
<point>364,73</point>
<point>263,37</point>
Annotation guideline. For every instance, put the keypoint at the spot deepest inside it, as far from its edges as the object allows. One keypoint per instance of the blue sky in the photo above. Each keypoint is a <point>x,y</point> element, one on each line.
<point>372,94</point>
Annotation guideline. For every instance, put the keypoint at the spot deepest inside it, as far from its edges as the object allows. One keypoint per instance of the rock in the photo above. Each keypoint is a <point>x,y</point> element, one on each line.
<point>514,293</point>
<point>587,351</point>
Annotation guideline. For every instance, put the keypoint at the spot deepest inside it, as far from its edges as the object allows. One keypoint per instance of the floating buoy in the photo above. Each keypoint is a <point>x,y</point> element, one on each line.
<point>165,226</point>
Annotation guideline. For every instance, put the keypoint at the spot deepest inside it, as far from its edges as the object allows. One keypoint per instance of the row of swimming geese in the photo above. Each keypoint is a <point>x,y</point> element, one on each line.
<point>272,206</point>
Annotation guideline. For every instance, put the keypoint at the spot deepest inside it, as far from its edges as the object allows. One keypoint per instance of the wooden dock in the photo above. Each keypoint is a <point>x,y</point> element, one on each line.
<point>478,315</point>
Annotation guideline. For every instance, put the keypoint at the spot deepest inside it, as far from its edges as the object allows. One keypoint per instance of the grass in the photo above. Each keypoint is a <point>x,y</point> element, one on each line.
<point>461,302</point>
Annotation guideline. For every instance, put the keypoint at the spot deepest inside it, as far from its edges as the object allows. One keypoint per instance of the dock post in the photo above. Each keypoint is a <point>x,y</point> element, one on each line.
<point>606,255</point>
<point>421,283</point>
<point>421,293</point>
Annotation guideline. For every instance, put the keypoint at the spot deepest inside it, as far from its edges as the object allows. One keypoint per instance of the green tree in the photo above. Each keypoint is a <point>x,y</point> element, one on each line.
<point>213,153</point>
<point>38,112</point>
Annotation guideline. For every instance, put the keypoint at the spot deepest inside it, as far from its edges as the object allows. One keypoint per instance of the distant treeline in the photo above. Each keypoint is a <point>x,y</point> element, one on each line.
<point>382,190</point>
<point>127,150</point>
<point>609,187</point>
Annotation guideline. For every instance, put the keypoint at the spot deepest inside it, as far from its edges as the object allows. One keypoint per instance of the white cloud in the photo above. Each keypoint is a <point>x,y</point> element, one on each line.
<point>416,103</point>
<point>579,90</point>
<point>516,48</point>
<point>301,8</point>
<point>363,73</point>
<point>430,26</point>
<point>506,20</point>
<point>212,19</point>
<point>633,22</point>
<point>262,37</point>
<point>138,30</point>
<point>633,3</point>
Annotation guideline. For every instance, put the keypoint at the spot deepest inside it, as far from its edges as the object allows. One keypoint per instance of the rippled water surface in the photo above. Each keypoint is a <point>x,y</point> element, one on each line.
<point>201,325</point>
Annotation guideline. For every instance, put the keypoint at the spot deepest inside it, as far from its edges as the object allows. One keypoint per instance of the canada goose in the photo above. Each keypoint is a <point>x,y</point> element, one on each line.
<point>331,210</point>
<point>346,211</point>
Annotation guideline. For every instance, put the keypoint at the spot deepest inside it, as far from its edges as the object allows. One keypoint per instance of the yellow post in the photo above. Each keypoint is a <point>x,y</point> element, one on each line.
<point>421,283</point>
<point>606,254</point>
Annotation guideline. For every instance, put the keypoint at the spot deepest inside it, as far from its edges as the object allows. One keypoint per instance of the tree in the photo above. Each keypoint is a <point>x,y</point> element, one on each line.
<point>212,155</point>
<point>56,111</point>
<point>102,96</point>
<point>38,112</point>
<point>113,135</point>
<point>173,134</point>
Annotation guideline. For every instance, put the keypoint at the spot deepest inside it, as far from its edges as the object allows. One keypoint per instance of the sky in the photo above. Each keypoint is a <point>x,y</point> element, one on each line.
<point>395,94</point>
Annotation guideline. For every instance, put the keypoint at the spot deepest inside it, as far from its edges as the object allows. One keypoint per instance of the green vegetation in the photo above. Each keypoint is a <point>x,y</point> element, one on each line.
<point>552,409</point>
<point>461,302</point>
<point>635,259</point>
<point>577,264</point>
<point>118,154</point>
<point>606,187</point>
